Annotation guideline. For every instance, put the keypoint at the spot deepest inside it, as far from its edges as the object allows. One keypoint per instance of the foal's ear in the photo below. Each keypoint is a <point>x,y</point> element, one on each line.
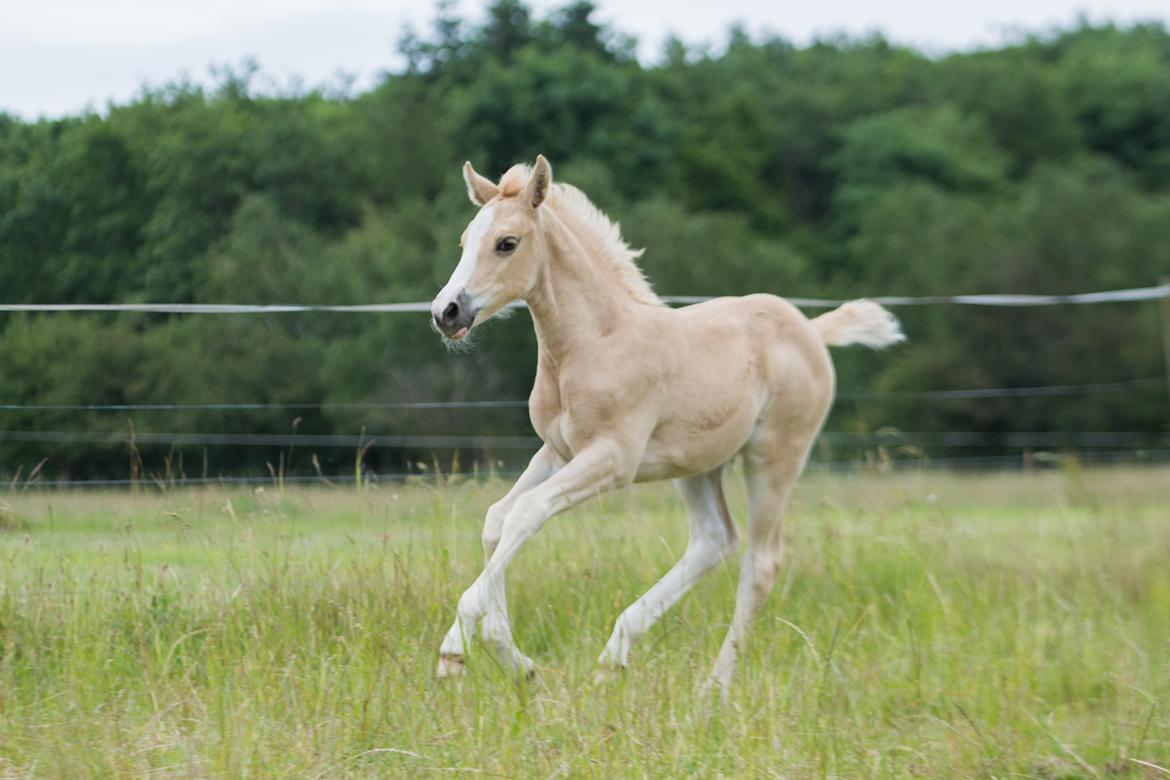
<point>539,182</point>
<point>479,188</point>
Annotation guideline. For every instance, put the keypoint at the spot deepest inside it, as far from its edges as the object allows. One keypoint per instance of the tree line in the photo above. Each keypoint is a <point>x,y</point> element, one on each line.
<point>846,167</point>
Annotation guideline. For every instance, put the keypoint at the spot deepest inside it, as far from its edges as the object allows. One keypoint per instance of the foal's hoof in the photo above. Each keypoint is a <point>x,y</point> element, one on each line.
<point>450,665</point>
<point>521,666</point>
<point>512,660</point>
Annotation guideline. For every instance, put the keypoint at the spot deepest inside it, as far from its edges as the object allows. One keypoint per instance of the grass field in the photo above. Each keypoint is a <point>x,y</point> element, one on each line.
<point>925,625</point>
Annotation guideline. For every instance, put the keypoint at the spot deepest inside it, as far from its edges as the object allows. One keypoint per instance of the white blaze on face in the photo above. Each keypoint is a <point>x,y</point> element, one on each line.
<point>476,232</point>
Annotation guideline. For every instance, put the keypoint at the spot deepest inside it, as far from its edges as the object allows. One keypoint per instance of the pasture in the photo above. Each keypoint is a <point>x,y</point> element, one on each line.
<point>925,625</point>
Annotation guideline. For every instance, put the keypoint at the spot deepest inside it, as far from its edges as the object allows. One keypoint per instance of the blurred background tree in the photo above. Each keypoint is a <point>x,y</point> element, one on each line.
<point>844,168</point>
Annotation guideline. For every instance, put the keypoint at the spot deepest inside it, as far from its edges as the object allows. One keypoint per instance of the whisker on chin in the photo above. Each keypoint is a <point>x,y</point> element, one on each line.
<point>463,345</point>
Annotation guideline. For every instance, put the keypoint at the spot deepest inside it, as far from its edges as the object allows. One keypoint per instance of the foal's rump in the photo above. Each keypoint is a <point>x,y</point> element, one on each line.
<point>763,348</point>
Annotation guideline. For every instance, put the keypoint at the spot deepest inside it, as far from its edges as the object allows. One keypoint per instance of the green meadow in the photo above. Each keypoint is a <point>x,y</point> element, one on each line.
<point>925,624</point>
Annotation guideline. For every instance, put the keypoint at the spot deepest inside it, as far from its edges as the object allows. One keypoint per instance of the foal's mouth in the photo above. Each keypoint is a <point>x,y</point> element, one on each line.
<point>462,332</point>
<point>457,331</point>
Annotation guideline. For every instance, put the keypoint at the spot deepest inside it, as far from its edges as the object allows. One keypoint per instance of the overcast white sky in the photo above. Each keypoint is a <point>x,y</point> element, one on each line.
<point>60,56</point>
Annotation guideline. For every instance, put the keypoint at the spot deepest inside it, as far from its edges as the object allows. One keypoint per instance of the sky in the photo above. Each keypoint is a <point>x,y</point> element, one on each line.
<point>60,57</point>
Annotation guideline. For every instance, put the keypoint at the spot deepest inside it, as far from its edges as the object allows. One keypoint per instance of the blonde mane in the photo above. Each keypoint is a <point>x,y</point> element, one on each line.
<point>600,236</point>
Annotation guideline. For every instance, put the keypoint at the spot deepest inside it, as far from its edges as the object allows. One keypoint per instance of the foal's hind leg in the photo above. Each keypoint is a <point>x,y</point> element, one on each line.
<point>771,469</point>
<point>713,536</point>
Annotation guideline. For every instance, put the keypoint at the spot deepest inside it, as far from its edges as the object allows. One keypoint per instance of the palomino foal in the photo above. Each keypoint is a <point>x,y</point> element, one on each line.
<point>630,390</point>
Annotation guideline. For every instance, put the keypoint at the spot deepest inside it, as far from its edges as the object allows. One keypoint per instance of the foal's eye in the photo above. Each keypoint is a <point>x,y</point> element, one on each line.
<point>507,245</point>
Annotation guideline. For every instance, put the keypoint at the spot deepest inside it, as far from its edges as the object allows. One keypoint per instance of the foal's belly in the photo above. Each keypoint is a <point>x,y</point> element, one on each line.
<point>678,447</point>
<point>685,446</point>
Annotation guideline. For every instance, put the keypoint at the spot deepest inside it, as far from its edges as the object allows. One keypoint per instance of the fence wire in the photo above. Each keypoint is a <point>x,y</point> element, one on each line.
<point>1108,445</point>
<point>1038,391</point>
<point>994,299</point>
<point>887,438</point>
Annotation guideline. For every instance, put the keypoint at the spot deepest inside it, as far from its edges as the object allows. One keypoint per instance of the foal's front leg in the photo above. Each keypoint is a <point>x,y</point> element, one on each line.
<point>599,467</point>
<point>542,466</point>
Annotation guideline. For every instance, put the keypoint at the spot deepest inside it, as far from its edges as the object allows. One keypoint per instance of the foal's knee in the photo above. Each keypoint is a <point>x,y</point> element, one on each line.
<point>765,567</point>
<point>706,554</point>
<point>472,604</point>
<point>715,546</point>
<point>730,543</point>
<point>493,527</point>
<point>525,513</point>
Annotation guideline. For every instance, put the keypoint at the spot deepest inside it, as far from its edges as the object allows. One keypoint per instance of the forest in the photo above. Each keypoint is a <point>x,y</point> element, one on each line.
<point>842,168</point>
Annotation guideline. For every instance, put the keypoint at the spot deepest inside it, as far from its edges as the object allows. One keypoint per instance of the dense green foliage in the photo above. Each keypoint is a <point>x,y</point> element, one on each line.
<point>845,168</point>
<point>924,626</point>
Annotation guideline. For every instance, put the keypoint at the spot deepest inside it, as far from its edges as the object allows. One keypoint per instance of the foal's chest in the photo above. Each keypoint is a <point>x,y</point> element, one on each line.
<point>549,415</point>
<point>550,421</point>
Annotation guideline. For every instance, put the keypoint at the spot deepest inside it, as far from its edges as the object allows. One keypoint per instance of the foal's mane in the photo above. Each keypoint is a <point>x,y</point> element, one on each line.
<point>600,236</point>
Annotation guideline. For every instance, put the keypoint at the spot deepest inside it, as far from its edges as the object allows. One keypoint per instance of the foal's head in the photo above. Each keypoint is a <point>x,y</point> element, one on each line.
<point>501,249</point>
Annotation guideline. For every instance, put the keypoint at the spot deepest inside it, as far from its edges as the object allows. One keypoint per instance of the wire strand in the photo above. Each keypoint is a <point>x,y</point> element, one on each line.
<point>996,299</point>
<point>941,395</point>
<point>888,438</point>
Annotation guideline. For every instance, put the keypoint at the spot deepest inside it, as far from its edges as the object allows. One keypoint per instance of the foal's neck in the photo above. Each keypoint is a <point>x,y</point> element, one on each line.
<point>577,298</point>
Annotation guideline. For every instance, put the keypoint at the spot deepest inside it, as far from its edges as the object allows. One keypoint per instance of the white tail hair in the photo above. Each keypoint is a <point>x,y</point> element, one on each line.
<point>859,322</point>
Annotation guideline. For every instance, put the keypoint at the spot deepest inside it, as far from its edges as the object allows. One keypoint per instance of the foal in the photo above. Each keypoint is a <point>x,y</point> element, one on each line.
<point>630,390</point>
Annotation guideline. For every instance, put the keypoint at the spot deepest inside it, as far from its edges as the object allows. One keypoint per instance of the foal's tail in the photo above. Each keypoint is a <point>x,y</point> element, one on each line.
<point>859,322</point>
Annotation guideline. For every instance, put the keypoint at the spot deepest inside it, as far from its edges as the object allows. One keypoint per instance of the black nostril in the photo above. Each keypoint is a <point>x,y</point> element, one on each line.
<point>450,313</point>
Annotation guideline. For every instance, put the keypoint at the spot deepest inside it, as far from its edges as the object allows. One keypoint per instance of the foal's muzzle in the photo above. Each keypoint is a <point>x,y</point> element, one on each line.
<point>453,317</point>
